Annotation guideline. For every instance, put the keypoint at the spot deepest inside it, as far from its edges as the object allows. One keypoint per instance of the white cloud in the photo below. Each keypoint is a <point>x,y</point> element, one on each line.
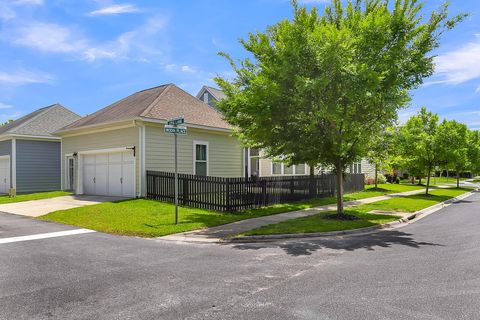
<point>135,44</point>
<point>29,2</point>
<point>187,69</point>
<point>460,65</point>
<point>5,106</point>
<point>115,10</point>
<point>6,13</point>
<point>47,37</point>
<point>24,77</point>
<point>477,90</point>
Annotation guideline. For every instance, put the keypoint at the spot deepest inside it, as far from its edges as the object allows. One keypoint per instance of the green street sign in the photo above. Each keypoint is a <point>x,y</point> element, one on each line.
<point>176,121</point>
<point>175,130</point>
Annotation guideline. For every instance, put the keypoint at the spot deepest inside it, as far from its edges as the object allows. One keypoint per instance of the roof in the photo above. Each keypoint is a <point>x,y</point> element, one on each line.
<point>159,103</point>
<point>42,122</point>
<point>216,93</point>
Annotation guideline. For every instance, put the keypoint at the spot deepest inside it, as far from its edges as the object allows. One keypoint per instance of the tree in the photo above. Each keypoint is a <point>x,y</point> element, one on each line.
<point>320,86</point>
<point>473,152</point>
<point>419,145</point>
<point>380,149</point>
<point>452,141</point>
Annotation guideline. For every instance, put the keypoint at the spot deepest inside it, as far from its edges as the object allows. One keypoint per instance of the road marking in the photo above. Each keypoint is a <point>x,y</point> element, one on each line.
<point>45,235</point>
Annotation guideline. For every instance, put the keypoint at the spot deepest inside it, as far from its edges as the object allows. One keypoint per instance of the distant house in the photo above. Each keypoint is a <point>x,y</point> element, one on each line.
<point>30,154</point>
<point>257,164</point>
<point>110,151</point>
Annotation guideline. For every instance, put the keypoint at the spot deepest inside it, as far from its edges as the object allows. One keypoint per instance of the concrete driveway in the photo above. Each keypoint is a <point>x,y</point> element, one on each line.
<point>37,208</point>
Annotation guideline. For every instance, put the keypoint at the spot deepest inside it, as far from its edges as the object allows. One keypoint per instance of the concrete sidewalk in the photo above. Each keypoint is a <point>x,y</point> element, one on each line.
<point>35,208</point>
<point>215,234</point>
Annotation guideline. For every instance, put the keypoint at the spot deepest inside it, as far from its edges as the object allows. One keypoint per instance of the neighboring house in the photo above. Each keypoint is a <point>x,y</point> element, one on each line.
<point>30,154</point>
<point>259,165</point>
<point>110,151</point>
<point>210,95</point>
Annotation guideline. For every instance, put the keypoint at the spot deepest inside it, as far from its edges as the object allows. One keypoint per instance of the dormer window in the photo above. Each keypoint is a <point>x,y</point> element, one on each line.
<point>205,97</point>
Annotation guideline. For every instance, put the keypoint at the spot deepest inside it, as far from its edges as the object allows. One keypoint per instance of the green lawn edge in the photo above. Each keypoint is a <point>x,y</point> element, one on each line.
<point>148,218</point>
<point>400,205</point>
<point>33,196</point>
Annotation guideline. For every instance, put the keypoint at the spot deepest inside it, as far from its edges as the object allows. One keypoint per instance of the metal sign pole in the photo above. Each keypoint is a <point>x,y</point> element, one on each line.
<point>176,181</point>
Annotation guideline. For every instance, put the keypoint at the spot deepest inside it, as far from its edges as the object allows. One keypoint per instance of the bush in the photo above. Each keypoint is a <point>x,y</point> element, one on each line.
<point>381,178</point>
<point>397,180</point>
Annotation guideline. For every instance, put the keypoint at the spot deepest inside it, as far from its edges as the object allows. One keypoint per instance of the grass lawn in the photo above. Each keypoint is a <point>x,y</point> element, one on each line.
<point>317,223</point>
<point>148,218</point>
<point>33,196</point>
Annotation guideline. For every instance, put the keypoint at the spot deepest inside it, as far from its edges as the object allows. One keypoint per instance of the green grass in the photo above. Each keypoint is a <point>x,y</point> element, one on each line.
<point>33,196</point>
<point>317,223</point>
<point>148,218</point>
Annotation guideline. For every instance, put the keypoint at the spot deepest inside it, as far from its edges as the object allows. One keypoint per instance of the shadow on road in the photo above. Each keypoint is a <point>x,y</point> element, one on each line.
<point>305,247</point>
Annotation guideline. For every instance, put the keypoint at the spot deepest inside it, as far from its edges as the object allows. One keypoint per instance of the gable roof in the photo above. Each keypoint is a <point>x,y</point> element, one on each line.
<point>216,93</point>
<point>42,122</point>
<point>159,103</point>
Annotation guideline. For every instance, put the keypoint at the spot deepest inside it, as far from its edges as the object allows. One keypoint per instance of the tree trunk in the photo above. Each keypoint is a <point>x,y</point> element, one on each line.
<point>458,179</point>
<point>376,176</point>
<point>312,187</point>
<point>420,181</point>
<point>339,169</point>
<point>428,180</point>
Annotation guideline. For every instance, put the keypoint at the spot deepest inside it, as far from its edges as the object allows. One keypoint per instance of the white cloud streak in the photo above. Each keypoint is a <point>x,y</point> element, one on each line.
<point>459,66</point>
<point>115,10</point>
<point>24,77</point>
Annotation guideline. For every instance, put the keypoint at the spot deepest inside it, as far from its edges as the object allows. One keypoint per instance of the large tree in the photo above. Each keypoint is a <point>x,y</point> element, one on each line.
<point>318,87</point>
<point>473,152</point>
<point>380,150</point>
<point>452,140</point>
<point>419,144</point>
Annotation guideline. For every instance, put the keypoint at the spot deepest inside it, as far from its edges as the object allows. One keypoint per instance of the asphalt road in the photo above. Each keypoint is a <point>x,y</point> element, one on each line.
<point>426,270</point>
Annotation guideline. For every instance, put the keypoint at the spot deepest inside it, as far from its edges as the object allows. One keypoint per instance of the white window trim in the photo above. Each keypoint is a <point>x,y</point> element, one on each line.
<point>66,171</point>
<point>195,143</point>
<point>283,170</point>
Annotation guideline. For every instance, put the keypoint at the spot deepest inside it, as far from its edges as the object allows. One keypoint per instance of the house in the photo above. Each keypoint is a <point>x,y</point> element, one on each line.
<point>110,151</point>
<point>30,154</point>
<point>257,164</point>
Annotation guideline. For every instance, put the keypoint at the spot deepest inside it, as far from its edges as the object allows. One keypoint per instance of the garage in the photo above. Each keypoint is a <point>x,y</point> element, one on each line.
<point>4,174</point>
<point>109,173</point>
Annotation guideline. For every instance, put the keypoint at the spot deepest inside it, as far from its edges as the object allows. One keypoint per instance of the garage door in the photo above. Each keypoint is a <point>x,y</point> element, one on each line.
<point>109,174</point>
<point>4,174</point>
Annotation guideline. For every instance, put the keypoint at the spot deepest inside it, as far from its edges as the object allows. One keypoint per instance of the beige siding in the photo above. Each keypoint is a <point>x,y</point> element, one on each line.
<point>368,169</point>
<point>119,138</point>
<point>224,151</point>
<point>266,168</point>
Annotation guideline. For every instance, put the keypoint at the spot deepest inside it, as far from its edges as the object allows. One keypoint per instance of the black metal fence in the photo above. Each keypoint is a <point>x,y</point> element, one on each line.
<point>238,194</point>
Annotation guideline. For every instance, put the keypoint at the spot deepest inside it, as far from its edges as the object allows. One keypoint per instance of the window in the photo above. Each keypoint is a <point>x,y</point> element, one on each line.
<point>201,158</point>
<point>205,97</point>
<point>277,167</point>
<point>300,168</point>
<point>287,170</point>
<point>356,167</point>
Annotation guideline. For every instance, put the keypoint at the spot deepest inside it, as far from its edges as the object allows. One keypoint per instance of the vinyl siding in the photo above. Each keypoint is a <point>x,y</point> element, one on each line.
<point>368,169</point>
<point>225,154</point>
<point>38,165</point>
<point>119,138</point>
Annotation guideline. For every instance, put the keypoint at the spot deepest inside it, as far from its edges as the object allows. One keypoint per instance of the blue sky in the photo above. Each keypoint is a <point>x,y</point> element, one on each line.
<point>87,54</point>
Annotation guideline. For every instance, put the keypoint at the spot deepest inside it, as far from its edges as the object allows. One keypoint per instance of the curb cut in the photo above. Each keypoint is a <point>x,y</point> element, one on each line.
<point>397,223</point>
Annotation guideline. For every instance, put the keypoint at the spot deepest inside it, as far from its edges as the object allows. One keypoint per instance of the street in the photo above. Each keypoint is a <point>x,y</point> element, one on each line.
<point>426,270</point>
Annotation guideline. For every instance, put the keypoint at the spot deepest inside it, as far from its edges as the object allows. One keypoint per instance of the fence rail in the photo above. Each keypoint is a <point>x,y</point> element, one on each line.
<point>238,194</point>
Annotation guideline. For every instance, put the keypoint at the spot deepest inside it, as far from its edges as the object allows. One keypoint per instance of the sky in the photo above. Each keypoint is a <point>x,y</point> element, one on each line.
<point>87,54</point>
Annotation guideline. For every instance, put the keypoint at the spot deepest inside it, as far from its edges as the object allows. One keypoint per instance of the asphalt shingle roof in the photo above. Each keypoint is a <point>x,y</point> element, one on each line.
<point>216,93</point>
<point>159,103</point>
<point>42,122</point>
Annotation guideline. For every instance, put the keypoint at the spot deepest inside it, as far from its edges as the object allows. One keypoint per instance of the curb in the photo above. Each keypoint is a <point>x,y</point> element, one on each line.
<point>397,223</point>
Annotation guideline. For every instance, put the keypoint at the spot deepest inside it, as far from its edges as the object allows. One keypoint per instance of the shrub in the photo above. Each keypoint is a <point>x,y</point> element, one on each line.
<point>381,178</point>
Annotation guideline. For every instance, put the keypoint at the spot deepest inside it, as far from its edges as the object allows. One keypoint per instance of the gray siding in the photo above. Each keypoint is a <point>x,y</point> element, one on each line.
<point>6,148</point>
<point>38,165</point>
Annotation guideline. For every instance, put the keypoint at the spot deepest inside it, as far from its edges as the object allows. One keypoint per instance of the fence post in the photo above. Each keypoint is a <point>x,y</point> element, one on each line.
<point>264,192</point>
<point>185,191</point>
<point>292,186</point>
<point>227,194</point>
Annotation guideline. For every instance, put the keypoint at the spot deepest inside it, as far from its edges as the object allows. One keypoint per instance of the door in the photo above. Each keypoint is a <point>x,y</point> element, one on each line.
<point>70,183</point>
<point>109,174</point>
<point>4,174</point>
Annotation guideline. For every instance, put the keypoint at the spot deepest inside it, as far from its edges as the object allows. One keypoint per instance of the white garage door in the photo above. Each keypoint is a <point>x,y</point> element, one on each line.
<point>4,174</point>
<point>109,174</point>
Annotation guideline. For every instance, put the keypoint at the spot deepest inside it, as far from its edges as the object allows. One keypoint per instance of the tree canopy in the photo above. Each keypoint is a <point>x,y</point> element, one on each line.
<point>319,86</point>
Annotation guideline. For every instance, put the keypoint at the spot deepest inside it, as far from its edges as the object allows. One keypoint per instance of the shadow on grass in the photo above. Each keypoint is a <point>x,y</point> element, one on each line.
<point>369,242</point>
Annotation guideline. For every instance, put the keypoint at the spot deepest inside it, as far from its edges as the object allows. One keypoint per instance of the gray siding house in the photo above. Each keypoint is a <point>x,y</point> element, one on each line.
<point>29,154</point>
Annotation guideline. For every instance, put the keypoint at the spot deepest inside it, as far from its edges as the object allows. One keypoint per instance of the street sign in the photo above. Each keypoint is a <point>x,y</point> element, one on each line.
<point>176,121</point>
<point>176,130</point>
<point>172,127</point>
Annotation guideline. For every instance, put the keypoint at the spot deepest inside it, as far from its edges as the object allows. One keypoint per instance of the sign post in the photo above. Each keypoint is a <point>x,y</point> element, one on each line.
<point>172,127</point>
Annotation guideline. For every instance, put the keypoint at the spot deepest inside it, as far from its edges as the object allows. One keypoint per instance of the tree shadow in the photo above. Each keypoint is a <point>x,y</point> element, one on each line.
<point>306,247</point>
